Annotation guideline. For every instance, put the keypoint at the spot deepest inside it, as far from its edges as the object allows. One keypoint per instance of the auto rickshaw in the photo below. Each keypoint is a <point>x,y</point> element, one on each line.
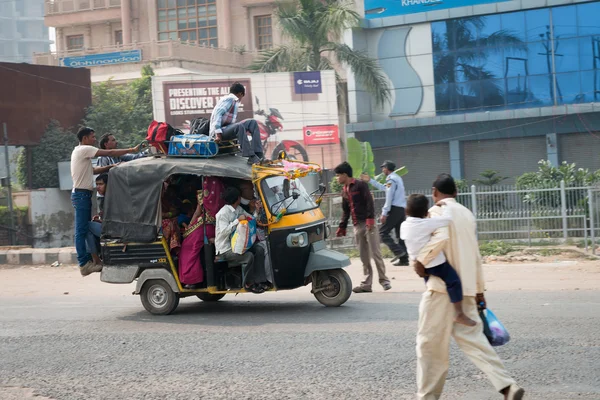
<point>133,248</point>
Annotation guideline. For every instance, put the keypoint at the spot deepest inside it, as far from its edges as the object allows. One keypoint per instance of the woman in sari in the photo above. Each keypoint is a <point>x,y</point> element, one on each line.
<point>200,231</point>
<point>170,212</point>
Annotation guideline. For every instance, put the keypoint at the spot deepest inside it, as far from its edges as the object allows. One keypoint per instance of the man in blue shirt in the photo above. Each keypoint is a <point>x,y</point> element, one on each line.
<point>223,125</point>
<point>392,215</point>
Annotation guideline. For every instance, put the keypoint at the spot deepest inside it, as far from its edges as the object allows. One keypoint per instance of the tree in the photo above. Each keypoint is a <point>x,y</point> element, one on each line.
<point>468,64</point>
<point>315,28</point>
<point>490,178</point>
<point>123,110</point>
<point>56,145</point>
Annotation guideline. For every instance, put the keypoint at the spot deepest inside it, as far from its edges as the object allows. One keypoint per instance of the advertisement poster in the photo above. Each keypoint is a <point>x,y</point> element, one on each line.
<point>188,100</point>
<point>321,134</point>
<point>305,126</point>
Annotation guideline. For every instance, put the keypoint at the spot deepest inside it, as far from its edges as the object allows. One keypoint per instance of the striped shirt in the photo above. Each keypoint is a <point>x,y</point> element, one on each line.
<point>225,113</point>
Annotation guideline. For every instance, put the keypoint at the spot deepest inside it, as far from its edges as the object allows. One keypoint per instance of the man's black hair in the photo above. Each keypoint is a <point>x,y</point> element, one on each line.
<point>83,132</point>
<point>417,206</point>
<point>104,140</point>
<point>390,165</point>
<point>237,88</point>
<point>445,184</point>
<point>344,168</point>
<point>231,195</point>
<point>103,177</point>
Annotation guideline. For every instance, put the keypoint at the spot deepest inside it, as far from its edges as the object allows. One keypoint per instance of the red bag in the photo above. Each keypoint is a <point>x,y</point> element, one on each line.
<point>159,133</point>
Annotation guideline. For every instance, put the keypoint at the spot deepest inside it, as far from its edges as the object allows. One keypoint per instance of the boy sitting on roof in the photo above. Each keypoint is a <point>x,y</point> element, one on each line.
<point>224,127</point>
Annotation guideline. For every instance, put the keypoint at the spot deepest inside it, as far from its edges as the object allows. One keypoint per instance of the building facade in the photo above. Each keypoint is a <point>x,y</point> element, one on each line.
<point>22,30</point>
<point>178,36</point>
<point>481,85</point>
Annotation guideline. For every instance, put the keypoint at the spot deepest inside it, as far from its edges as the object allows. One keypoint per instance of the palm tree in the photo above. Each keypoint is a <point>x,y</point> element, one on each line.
<point>458,53</point>
<point>315,28</point>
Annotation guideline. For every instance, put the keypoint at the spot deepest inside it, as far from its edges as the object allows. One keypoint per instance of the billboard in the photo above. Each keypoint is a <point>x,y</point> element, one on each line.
<point>187,100</point>
<point>304,122</point>
<point>388,8</point>
<point>93,60</point>
<point>33,95</point>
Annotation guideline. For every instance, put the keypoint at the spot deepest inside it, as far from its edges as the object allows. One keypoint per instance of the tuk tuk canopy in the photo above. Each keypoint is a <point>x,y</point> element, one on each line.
<point>132,210</point>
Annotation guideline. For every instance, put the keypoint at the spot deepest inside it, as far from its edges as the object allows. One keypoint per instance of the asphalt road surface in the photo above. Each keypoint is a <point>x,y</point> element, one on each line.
<point>65,337</point>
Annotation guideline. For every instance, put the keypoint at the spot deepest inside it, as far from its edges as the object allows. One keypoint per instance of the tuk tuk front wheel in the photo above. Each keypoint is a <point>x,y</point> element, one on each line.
<point>338,291</point>
<point>208,297</point>
<point>158,298</point>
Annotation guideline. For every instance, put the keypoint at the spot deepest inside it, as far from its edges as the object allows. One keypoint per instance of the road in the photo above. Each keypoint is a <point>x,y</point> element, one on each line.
<point>65,337</point>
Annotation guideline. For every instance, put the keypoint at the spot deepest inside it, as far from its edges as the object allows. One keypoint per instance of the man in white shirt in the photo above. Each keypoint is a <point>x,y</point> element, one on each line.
<point>252,261</point>
<point>82,173</point>
<point>459,243</point>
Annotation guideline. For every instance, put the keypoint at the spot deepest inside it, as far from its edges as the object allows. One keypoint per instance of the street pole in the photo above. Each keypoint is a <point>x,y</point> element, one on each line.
<point>11,234</point>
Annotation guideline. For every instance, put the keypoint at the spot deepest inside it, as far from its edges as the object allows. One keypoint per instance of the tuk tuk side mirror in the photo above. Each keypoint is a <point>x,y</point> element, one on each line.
<point>257,101</point>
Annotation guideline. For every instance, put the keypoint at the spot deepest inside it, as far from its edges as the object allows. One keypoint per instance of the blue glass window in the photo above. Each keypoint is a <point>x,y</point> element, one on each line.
<point>487,31</point>
<point>538,24</point>
<point>589,52</point>
<point>438,32</point>
<point>568,88</point>
<point>588,19</point>
<point>590,86</point>
<point>564,22</point>
<point>514,25</point>
<point>539,58</point>
<point>566,55</point>
<point>540,91</point>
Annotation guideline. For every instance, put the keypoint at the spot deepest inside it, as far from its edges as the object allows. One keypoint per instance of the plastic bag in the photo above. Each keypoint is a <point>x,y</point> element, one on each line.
<point>493,329</point>
<point>244,236</point>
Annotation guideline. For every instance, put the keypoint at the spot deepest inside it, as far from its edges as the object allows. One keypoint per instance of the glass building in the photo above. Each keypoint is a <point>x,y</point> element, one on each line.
<point>480,85</point>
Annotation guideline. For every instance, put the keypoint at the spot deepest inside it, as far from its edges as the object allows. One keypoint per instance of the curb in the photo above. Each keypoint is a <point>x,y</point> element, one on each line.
<point>30,256</point>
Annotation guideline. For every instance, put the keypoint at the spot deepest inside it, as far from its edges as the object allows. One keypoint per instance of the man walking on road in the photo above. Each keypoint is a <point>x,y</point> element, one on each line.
<point>393,212</point>
<point>358,202</point>
<point>459,243</point>
<point>82,173</point>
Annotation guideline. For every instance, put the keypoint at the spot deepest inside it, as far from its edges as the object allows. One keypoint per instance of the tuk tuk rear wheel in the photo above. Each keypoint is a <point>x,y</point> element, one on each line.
<point>158,298</point>
<point>209,297</point>
<point>338,291</point>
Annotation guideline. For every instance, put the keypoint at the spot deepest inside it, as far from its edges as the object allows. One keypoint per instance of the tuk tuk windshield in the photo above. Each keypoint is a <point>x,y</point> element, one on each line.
<point>296,201</point>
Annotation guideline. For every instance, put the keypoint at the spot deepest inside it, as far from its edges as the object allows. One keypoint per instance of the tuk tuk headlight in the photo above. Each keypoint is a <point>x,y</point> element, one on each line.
<point>297,239</point>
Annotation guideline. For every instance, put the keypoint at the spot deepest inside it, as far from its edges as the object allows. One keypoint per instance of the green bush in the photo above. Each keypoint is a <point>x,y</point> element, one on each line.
<point>495,248</point>
<point>56,145</point>
<point>20,215</point>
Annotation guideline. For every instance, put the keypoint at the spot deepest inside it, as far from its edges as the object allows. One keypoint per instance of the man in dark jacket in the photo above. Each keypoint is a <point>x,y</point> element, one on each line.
<point>357,202</point>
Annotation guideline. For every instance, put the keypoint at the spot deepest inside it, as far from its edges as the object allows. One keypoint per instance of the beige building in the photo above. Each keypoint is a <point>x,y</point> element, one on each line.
<point>177,36</point>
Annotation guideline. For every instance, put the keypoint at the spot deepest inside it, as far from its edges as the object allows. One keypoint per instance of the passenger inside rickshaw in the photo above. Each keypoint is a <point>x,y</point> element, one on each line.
<point>187,243</point>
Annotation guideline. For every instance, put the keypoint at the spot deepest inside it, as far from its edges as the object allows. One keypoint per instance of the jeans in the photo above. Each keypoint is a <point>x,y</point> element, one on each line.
<point>93,237</point>
<point>448,274</point>
<point>238,131</point>
<point>82,203</point>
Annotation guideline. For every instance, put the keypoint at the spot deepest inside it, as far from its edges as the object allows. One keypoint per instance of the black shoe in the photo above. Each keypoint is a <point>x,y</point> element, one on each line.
<point>361,289</point>
<point>396,258</point>
<point>402,262</point>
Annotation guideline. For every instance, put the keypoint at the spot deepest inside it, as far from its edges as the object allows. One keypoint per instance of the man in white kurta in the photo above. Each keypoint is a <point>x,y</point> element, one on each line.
<point>436,314</point>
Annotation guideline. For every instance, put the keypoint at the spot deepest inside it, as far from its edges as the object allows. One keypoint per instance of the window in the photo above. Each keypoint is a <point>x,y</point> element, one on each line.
<point>118,37</point>
<point>75,42</point>
<point>522,59</point>
<point>264,32</point>
<point>188,20</point>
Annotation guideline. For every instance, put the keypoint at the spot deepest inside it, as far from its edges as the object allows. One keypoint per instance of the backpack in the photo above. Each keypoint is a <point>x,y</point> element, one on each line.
<point>159,133</point>
<point>200,126</point>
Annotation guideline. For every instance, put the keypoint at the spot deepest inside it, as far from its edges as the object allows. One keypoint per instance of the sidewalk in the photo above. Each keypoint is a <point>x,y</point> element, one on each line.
<point>30,256</point>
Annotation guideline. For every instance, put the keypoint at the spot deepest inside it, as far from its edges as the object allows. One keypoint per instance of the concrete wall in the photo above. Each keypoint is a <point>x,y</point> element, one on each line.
<point>52,217</point>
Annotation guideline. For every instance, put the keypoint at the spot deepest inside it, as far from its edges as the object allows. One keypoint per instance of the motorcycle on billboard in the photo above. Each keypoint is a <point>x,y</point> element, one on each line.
<point>270,127</point>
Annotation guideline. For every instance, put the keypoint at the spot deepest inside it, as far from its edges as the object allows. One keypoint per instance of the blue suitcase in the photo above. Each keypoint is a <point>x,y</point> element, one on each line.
<point>192,146</point>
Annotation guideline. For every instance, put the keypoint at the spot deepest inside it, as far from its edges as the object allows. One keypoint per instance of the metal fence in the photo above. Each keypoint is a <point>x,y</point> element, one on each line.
<point>507,213</point>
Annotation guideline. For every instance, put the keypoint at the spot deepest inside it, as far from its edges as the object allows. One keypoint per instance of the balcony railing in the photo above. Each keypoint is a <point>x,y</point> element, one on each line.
<point>160,51</point>
<point>70,6</point>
